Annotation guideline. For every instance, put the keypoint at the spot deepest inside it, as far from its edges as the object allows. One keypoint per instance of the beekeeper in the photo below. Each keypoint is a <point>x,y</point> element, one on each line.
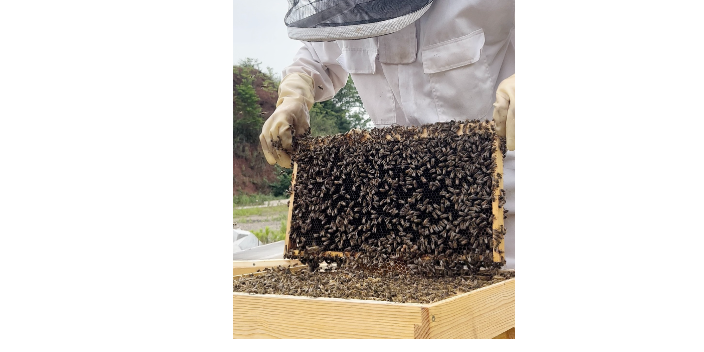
<point>413,62</point>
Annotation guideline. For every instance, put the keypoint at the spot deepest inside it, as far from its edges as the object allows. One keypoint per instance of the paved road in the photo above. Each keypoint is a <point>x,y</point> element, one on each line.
<point>268,251</point>
<point>272,203</point>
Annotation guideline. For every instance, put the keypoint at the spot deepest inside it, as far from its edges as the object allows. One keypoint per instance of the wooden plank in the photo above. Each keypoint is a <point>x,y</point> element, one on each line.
<point>288,317</point>
<point>421,331</point>
<point>290,208</point>
<point>254,273</point>
<point>480,314</point>
<point>484,313</point>
<point>240,267</point>
<point>496,209</point>
<point>329,254</point>
<point>508,334</point>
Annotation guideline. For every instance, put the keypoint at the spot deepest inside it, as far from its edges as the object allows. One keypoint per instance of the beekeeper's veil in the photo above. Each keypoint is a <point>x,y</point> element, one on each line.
<point>326,20</point>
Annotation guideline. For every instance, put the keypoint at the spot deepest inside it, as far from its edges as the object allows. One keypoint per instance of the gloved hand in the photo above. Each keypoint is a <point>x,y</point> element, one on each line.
<point>295,99</point>
<point>505,111</point>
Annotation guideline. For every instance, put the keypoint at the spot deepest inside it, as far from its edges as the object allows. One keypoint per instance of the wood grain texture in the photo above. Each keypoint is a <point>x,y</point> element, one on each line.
<point>274,316</point>
<point>329,254</point>
<point>484,313</point>
<point>421,330</point>
<point>496,209</point>
<point>240,267</point>
<point>481,314</point>
<point>509,334</point>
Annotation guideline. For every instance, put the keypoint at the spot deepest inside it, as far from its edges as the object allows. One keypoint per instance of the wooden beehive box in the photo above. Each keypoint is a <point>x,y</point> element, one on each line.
<point>485,313</point>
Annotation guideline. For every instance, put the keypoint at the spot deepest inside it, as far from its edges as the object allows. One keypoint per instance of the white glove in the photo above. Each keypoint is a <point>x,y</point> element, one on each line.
<point>295,99</point>
<point>505,111</point>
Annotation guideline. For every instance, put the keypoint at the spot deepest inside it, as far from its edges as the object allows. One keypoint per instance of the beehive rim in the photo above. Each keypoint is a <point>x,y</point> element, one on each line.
<point>370,301</point>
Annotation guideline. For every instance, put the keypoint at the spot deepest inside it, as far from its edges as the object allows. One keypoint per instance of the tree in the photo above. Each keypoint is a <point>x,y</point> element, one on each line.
<point>274,77</point>
<point>254,100</point>
<point>327,118</point>
<point>340,114</point>
<point>250,63</point>
<point>283,181</point>
<point>349,101</point>
<point>247,112</point>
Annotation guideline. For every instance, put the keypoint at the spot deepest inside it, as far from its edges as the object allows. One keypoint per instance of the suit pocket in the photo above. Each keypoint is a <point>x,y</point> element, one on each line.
<point>358,56</point>
<point>453,53</point>
<point>460,81</point>
<point>400,47</point>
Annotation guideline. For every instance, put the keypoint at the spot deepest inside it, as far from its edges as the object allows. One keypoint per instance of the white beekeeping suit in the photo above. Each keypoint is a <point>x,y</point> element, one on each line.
<point>447,65</point>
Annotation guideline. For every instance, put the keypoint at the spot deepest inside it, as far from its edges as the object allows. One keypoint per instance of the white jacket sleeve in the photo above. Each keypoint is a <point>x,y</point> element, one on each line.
<point>319,61</point>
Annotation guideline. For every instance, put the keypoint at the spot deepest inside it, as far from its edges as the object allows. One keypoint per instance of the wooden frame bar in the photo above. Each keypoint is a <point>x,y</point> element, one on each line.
<point>240,267</point>
<point>290,207</point>
<point>497,210</point>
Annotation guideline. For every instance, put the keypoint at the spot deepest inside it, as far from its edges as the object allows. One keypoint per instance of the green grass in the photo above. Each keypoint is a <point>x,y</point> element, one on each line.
<point>277,213</point>
<point>242,200</point>
<point>268,235</point>
<point>261,211</point>
<point>283,216</point>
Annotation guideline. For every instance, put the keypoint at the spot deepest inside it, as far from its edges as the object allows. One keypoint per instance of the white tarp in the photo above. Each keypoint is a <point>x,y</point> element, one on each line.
<point>244,240</point>
<point>268,251</point>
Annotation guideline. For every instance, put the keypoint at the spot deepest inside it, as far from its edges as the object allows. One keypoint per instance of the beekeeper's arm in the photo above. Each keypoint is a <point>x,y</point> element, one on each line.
<point>505,105</point>
<point>314,75</point>
<point>505,111</point>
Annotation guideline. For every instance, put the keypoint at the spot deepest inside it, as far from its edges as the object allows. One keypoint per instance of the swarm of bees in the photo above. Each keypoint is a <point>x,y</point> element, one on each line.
<point>357,284</point>
<point>412,200</point>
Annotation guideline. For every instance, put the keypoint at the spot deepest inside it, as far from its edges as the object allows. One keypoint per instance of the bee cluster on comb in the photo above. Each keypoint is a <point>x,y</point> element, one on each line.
<point>420,200</point>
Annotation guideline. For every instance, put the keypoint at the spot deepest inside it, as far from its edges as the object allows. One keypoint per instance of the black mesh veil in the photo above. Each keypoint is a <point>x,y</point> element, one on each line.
<point>326,20</point>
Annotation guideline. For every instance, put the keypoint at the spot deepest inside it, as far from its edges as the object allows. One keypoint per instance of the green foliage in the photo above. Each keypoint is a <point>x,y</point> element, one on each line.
<point>249,63</point>
<point>348,97</point>
<point>248,119</point>
<point>268,236</point>
<point>247,112</point>
<point>247,100</point>
<point>283,181</point>
<point>274,78</point>
<point>260,211</point>
<point>252,67</point>
<point>254,97</point>
<point>340,114</point>
<point>326,119</point>
<point>349,101</point>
